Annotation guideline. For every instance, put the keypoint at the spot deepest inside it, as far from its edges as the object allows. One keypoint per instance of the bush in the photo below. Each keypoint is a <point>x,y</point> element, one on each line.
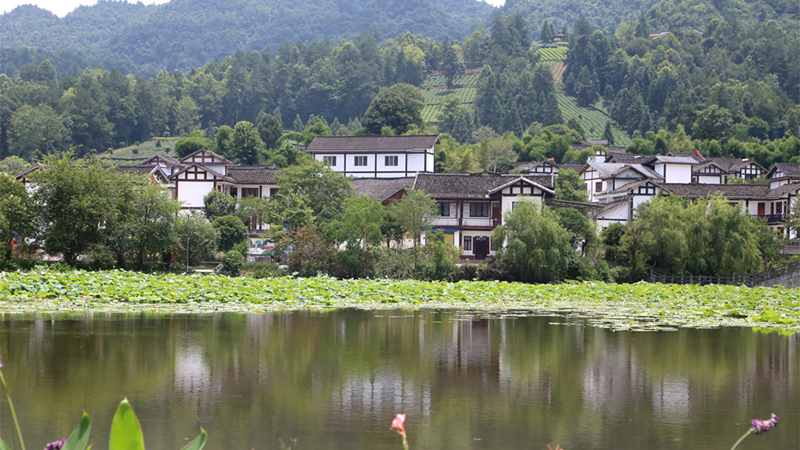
<point>158,143</point>
<point>467,272</point>
<point>243,248</point>
<point>231,231</point>
<point>264,270</point>
<point>232,263</point>
<point>579,268</point>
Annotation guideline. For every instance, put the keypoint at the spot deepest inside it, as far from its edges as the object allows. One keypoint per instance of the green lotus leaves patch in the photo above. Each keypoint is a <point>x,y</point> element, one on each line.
<point>618,305</point>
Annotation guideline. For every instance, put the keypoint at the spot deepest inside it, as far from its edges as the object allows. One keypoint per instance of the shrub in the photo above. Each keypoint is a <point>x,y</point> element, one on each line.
<point>232,263</point>
<point>467,272</point>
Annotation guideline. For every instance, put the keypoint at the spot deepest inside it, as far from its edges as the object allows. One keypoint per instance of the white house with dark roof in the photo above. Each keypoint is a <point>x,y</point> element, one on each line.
<point>376,156</point>
<point>783,173</point>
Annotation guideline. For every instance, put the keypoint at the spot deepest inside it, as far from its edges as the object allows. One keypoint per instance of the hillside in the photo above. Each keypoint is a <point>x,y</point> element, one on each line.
<point>188,33</point>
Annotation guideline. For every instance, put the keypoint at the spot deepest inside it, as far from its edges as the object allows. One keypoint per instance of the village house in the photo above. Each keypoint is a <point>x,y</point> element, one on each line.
<point>376,156</point>
<point>471,206</point>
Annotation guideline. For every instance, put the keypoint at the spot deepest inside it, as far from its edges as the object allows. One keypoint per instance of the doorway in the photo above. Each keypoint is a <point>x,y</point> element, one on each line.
<point>480,246</point>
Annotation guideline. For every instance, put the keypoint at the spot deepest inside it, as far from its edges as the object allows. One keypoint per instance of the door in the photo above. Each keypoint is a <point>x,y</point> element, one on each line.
<point>480,246</point>
<point>761,209</point>
<point>497,214</point>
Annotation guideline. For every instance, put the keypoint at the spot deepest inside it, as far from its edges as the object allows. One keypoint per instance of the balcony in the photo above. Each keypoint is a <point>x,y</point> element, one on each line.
<point>446,222</point>
<point>772,218</point>
<point>478,222</point>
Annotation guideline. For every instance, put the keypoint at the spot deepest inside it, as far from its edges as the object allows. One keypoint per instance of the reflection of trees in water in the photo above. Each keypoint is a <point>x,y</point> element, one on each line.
<point>315,375</point>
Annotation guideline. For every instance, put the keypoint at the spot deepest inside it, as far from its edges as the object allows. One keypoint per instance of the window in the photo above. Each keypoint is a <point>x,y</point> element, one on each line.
<point>249,192</point>
<point>479,210</point>
<point>598,186</point>
<point>273,192</point>
<point>390,161</point>
<point>444,209</point>
<point>329,160</point>
<point>360,160</point>
<point>468,243</point>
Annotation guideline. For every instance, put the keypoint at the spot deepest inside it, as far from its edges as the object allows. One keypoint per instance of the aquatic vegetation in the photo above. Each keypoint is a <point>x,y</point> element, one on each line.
<point>640,307</point>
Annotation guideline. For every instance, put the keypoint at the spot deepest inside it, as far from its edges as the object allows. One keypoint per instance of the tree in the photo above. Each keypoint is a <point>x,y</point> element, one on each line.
<point>608,134</point>
<point>16,213</point>
<point>143,222</point>
<point>415,212</point>
<point>37,129</point>
<point>217,204</point>
<point>231,231</point>
<point>533,243</point>
<point>713,122</point>
<point>360,229</point>
<point>197,237</point>
<point>321,190</point>
<point>13,165</point>
<point>73,200</point>
<point>186,146</point>
<point>270,130</point>
<point>396,107</point>
<point>246,144</point>
<point>451,65</point>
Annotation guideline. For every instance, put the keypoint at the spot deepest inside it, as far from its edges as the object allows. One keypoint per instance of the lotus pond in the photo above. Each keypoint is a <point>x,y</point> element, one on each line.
<point>321,363</point>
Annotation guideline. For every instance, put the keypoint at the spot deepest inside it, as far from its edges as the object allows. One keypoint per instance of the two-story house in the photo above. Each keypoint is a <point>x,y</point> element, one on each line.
<point>376,156</point>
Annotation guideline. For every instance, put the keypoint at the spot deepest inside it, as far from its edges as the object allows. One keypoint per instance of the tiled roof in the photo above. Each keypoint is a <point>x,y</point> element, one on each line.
<point>168,159</point>
<point>788,169</point>
<point>222,159</point>
<point>380,188</point>
<point>730,191</point>
<point>136,170</point>
<point>660,159</point>
<point>732,164</point>
<point>627,158</point>
<point>253,174</point>
<point>611,169</point>
<point>687,155</point>
<point>784,191</point>
<point>469,186</point>
<point>371,143</point>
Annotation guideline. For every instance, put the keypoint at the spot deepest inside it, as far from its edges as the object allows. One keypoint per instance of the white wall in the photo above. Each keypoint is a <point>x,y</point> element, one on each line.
<point>191,193</point>
<point>677,173</point>
<point>618,214</point>
<point>339,167</point>
<point>709,179</point>
<point>508,202</point>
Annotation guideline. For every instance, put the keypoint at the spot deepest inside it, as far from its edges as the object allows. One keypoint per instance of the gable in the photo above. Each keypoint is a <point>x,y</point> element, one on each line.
<point>205,157</point>
<point>197,172</point>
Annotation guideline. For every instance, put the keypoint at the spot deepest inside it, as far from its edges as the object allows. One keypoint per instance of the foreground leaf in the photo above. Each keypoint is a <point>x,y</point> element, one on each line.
<point>198,443</point>
<point>3,445</point>
<point>126,433</point>
<point>80,436</point>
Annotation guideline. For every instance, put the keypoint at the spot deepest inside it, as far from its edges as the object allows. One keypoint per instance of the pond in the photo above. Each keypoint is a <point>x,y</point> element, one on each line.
<point>335,380</point>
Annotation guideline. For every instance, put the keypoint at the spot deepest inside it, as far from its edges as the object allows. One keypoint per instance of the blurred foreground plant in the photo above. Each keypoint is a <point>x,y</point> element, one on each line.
<point>759,427</point>
<point>397,424</point>
<point>126,432</point>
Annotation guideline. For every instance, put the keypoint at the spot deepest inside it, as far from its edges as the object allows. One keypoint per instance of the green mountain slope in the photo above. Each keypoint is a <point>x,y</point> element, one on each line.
<point>187,33</point>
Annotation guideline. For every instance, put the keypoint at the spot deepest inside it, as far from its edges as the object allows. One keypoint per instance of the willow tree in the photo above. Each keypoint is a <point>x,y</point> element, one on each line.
<point>534,243</point>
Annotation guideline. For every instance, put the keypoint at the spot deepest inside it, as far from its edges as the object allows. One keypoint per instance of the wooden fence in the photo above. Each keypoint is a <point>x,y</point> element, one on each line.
<point>788,276</point>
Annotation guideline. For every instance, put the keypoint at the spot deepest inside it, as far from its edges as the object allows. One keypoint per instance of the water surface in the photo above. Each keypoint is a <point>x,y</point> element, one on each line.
<point>335,380</point>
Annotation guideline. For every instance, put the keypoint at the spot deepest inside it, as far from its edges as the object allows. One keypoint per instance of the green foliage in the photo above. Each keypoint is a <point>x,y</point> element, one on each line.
<point>708,237</point>
<point>535,243</point>
<point>246,143</point>
<point>13,165</point>
<point>16,214</point>
<point>186,146</point>
<point>217,204</point>
<point>415,212</point>
<point>313,186</point>
<point>202,239</point>
<point>270,130</point>
<point>396,107</point>
<point>232,263</point>
<point>231,231</point>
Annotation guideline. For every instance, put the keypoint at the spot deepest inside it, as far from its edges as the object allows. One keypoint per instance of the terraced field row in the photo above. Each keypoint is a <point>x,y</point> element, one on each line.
<point>592,120</point>
<point>557,67</point>
<point>552,54</point>
<point>430,113</point>
<point>436,96</point>
<point>460,80</point>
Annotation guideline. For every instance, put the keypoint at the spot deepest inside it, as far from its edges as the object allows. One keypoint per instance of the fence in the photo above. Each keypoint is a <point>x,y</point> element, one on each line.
<point>788,276</point>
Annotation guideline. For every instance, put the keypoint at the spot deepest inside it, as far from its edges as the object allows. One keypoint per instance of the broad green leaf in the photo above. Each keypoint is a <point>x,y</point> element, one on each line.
<point>3,445</point>
<point>80,437</point>
<point>197,443</point>
<point>126,433</point>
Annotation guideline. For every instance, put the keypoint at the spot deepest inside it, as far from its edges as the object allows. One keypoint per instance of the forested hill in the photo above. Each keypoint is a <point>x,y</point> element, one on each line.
<point>188,33</point>
<point>604,14</point>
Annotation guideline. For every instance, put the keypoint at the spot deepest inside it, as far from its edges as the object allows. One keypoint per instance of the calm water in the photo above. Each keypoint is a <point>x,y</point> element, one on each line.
<point>335,380</point>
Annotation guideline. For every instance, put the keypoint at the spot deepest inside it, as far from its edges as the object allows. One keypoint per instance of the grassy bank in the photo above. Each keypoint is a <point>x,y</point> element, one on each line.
<point>641,306</point>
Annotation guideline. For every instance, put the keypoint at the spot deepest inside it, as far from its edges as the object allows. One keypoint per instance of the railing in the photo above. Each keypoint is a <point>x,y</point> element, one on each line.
<point>772,218</point>
<point>747,279</point>
<point>482,222</point>
<point>446,222</point>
